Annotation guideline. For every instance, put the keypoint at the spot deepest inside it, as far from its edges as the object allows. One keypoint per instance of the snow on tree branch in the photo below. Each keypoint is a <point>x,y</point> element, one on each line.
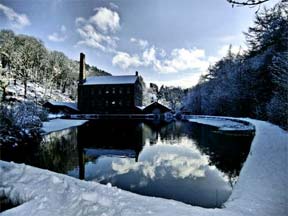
<point>249,2</point>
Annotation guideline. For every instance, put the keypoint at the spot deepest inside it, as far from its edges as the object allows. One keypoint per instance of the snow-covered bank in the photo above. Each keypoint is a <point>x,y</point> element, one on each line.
<point>223,124</point>
<point>60,124</point>
<point>260,190</point>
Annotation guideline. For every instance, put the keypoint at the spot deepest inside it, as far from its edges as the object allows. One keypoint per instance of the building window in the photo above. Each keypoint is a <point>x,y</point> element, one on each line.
<point>120,90</point>
<point>107,91</point>
<point>120,103</point>
<point>106,103</point>
<point>113,102</point>
<point>113,90</point>
<point>99,91</point>
<point>128,90</point>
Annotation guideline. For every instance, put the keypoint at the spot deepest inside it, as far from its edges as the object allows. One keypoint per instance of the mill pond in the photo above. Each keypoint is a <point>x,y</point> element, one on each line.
<point>184,161</point>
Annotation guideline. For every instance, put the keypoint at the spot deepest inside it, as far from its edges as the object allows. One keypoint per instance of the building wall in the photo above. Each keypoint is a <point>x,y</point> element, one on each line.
<point>138,93</point>
<point>104,99</point>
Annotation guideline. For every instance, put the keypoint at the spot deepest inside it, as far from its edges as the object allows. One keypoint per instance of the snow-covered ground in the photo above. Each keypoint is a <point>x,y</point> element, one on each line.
<point>35,90</point>
<point>261,188</point>
<point>60,124</point>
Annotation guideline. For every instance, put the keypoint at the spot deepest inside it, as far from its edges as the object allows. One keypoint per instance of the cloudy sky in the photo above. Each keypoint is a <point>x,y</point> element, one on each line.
<point>170,42</point>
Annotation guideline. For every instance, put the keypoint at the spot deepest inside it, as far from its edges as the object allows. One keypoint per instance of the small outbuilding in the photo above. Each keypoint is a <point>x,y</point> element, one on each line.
<point>64,107</point>
<point>156,108</point>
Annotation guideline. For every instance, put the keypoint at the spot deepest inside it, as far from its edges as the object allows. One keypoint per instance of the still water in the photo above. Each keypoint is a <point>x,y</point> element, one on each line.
<point>183,161</point>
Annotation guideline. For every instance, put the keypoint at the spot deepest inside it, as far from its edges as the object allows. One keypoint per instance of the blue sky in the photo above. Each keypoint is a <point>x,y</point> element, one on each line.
<point>170,42</point>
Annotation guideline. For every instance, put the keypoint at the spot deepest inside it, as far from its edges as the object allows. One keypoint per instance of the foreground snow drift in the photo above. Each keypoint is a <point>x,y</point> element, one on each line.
<point>260,190</point>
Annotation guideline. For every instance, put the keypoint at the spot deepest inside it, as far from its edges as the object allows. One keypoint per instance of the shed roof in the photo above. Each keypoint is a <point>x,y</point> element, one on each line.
<point>70,105</point>
<point>149,108</point>
<point>110,80</point>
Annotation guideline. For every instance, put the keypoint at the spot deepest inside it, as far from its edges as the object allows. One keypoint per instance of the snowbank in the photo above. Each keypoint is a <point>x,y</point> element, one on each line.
<point>60,124</point>
<point>261,188</point>
<point>222,123</point>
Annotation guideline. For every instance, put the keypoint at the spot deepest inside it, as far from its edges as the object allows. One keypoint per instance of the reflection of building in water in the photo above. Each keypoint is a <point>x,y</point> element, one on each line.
<point>111,138</point>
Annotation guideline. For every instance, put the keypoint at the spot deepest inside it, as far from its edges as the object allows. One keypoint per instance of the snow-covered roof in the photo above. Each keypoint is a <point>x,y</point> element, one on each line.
<point>155,103</point>
<point>67,104</point>
<point>60,124</point>
<point>141,107</point>
<point>109,80</point>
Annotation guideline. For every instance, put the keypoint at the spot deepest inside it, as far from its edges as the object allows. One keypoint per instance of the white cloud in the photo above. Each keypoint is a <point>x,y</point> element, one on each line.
<point>97,31</point>
<point>190,79</point>
<point>179,60</point>
<point>92,38</point>
<point>163,159</point>
<point>106,20</point>
<point>149,57</point>
<point>58,36</point>
<point>162,53</point>
<point>193,62</point>
<point>17,20</point>
<point>141,43</point>
<point>182,60</point>
<point>125,60</point>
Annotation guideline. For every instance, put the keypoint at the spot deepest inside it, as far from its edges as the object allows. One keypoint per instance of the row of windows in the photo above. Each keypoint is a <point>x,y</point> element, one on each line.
<point>118,103</point>
<point>105,90</point>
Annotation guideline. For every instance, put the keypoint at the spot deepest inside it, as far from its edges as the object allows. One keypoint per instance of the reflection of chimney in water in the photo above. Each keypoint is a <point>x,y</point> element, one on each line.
<point>82,72</point>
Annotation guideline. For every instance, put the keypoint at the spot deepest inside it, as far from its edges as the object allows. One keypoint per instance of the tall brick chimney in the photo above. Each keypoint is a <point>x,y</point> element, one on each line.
<point>82,72</point>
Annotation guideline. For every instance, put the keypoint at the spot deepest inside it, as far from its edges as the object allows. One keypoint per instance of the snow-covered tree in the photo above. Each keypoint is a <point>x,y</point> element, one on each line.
<point>26,59</point>
<point>277,108</point>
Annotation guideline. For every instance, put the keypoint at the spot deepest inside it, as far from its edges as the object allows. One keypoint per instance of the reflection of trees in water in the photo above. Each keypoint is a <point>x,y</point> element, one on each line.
<point>226,152</point>
<point>58,151</point>
<point>21,152</point>
<point>170,131</point>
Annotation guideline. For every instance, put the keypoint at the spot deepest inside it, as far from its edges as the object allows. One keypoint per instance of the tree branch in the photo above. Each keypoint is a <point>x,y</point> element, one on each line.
<point>247,2</point>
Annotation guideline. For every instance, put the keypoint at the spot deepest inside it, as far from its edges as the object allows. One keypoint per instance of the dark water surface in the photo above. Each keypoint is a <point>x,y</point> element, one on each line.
<point>184,161</point>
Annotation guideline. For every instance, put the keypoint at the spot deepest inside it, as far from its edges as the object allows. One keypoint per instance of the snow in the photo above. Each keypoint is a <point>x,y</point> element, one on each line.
<point>60,124</point>
<point>71,105</point>
<point>260,190</point>
<point>141,107</point>
<point>35,90</point>
<point>54,116</point>
<point>222,123</point>
<point>104,80</point>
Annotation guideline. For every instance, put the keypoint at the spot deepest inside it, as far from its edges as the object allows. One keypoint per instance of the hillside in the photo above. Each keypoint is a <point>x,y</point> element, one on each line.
<point>30,71</point>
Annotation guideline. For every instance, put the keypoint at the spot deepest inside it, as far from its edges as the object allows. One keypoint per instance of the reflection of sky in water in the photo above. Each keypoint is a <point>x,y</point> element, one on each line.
<point>173,169</point>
